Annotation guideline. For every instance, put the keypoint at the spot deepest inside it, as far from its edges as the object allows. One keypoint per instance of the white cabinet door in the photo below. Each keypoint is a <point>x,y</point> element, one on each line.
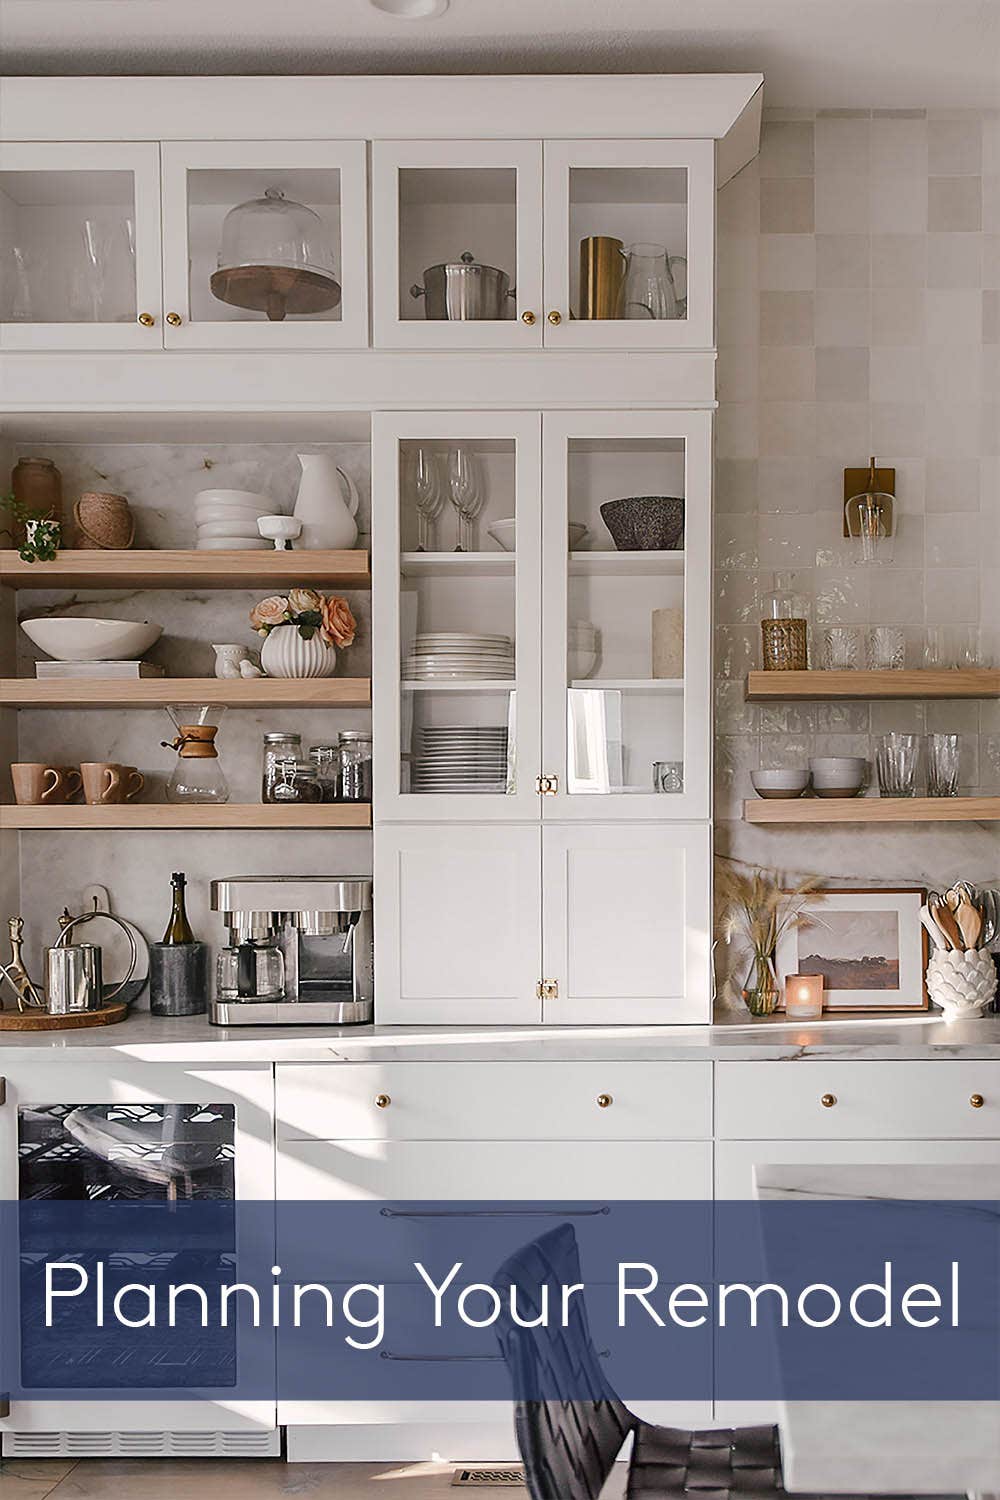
<point>649,195</point>
<point>625,710</point>
<point>627,923</point>
<point>458,923</point>
<point>136,1129</point>
<point>456,661</point>
<point>435,202</point>
<point>296,192</point>
<point>80,246</point>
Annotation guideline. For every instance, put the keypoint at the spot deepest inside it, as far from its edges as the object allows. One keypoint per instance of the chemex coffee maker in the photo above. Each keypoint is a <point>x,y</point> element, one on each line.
<point>300,951</point>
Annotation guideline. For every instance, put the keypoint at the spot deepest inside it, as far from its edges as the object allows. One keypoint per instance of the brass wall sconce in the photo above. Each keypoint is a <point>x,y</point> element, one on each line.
<point>869,508</point>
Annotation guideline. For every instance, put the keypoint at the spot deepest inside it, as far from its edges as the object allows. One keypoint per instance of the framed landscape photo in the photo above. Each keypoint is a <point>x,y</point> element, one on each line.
<point>869,945</point>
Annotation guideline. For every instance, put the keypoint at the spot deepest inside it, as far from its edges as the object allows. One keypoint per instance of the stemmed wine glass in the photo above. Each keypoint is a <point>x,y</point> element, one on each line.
<point>466,492</point>
<point>428,496</point>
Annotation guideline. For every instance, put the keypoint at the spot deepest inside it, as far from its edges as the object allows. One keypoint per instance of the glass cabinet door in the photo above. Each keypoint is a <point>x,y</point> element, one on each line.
<point>629,244</point>
<point>626,611</point>
<point>457,244</point>
<point>456,563</point>
<point>136,1133</point>
<point>80,246</point>
<point>265,244</point>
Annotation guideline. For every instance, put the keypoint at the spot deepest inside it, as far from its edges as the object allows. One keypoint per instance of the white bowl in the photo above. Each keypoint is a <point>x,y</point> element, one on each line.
<point>845,773</point>
<point>230,528</point>
<point>234,544</point>
<point>75,638</point>
<point>245,499</point>
<point>580,663</point>
<point>504,533</point>
<point>204,514</point>
<point>779,784</point>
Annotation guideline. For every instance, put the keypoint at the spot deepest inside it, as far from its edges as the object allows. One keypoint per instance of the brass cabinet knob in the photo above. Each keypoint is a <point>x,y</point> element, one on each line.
<point>147,320</point>
<point>174,319</point>
<point>828,1101</point>
<point>382,1101</point>
<point>604,1101</point>
<point>528,317</point>
<point>555,316</point>
<point>977,1101</point>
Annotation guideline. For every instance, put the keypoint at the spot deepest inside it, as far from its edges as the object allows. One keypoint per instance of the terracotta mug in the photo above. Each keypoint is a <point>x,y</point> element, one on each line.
<point>106,782</point>
<point>36,784</point>
<point>74,782</point>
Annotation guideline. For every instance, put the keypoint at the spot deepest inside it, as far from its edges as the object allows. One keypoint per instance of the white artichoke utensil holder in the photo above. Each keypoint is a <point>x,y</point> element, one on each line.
<point>962,984</point>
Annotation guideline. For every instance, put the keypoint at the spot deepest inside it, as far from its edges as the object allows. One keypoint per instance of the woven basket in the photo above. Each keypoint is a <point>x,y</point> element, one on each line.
<point>784,645</point>
<point>104,521</point>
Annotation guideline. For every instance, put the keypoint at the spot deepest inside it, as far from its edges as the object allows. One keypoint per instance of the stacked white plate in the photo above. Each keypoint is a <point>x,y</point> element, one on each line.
<point>461,758</point>
<point>227,520</point>
<point>458,656</point>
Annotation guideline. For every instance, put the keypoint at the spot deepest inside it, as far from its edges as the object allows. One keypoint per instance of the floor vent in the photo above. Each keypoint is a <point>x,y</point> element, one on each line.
<point>483,1476</point>
<point>142,1444</point>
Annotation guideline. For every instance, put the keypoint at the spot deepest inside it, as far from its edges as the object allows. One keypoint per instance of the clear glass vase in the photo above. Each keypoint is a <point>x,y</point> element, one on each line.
<point>760,990</point>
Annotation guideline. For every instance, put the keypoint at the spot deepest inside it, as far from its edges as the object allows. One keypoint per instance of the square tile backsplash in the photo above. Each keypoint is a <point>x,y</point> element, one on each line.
<point>873,327</point>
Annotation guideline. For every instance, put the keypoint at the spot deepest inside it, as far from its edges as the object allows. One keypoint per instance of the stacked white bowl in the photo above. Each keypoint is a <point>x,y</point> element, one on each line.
<point>583,643</point>
<point>227,520</point>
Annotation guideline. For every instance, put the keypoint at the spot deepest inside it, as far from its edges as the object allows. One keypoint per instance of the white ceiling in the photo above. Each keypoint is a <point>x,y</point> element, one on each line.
<point>814,53</point>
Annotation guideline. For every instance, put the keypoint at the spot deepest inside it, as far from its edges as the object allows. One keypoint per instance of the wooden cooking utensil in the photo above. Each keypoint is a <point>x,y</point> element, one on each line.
<point>970,923</point>
<point>949,927</point>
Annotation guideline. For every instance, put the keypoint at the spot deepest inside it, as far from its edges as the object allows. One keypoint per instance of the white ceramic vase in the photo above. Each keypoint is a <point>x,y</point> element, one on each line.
<point>963,984</point>
<point>326,504</point>
<point>286,654</point>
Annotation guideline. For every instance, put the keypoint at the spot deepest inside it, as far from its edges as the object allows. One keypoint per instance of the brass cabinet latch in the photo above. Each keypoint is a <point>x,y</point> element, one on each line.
<point>546,786</point>
<point>547,989</point>
<point>3,1091</point>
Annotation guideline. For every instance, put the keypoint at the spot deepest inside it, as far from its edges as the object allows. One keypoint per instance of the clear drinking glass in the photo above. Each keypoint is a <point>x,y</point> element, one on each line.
<point>841,648</point>
<point>428,496</point>
<point>896,757</point>
<point>952,646</point>
<point>886,649</point>
<point>943,751</point>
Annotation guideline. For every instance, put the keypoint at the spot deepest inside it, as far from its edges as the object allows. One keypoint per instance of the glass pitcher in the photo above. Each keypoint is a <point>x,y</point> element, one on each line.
<point>649,290</point>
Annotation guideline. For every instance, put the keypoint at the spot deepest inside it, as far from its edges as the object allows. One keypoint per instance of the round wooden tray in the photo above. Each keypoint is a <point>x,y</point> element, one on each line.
<point>275,290</point>
<point>40,1020</point>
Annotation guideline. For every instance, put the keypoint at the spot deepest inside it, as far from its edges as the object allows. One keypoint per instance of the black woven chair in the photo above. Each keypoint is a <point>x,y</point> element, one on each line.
<point>569,1446</point>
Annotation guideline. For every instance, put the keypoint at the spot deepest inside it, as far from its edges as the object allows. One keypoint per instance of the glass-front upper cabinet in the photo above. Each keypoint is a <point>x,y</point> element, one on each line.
<point>456,244</point>
<point>265,244</point>
<point>626,614</point>
<point>456,657</point>
<point>629,244</point>
<point>79,246</point>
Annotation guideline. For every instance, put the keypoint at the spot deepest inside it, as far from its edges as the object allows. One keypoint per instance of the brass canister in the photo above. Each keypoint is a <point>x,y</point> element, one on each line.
<point>602,271</point>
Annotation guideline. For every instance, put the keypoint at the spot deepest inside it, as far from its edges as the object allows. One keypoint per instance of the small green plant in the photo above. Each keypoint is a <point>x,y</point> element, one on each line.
<point>40,533</point>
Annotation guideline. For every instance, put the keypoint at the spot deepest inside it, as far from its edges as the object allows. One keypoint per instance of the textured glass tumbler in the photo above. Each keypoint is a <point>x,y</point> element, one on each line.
<point>943,752</point>
<point>896,757</point>
<point>886,649</point>
<point>841,648</point>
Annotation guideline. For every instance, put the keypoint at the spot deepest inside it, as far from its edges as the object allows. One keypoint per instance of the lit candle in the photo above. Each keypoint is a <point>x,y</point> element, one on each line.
<point>804,996</point>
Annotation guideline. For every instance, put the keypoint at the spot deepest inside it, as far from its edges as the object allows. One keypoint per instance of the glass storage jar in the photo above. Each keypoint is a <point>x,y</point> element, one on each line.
<point>355,765</point>
<point>326,762</point>
<point>296,781</point>
<point>279,744</point>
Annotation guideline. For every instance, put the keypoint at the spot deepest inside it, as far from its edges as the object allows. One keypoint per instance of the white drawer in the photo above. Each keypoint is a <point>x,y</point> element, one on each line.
<point>514,1101</point>
<point>858,1100</point>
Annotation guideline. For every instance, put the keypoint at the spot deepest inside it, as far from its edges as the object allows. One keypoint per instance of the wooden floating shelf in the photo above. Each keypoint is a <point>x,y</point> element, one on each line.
<point>168,815</point>
<point>157,692</point>
<point>823,687</point>
<point>188,570</point>
<point>873,810</point>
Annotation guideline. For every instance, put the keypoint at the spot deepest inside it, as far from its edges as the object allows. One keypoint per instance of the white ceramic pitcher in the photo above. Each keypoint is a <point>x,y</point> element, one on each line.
<point>326,504</point>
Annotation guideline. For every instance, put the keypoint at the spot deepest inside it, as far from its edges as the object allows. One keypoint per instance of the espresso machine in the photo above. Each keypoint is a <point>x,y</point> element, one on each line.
<point>300,951</point>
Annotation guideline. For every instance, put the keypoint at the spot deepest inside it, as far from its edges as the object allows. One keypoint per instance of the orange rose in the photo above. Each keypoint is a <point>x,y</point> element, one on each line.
<point>269,612</point>
<point>339,624</point>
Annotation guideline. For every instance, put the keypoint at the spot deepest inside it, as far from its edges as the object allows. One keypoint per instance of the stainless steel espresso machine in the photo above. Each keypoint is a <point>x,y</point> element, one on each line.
<point>299,952</point>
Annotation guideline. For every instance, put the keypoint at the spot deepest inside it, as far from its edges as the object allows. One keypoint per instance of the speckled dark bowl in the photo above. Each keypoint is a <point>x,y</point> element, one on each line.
<point>645,523</point>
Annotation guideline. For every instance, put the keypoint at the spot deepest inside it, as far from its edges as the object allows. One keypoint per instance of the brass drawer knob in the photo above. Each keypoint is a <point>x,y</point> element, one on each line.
<point>977,1101</point>
<point>555,316</point>
<point>604,1101</point>
<point>828,1101</point>
<point>174,319</point>
<point>528,317</point>
<point>382,1101</point>
<point>147,320</point>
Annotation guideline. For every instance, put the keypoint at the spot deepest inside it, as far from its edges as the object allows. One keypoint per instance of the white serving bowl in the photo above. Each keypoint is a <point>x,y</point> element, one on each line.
<point>504,533</point>
<point>206,514</point>
<point>779,784</point>
<point>245,499</point>
<point>74,638</point>
<point>229,528</point>
<point>233,544</point>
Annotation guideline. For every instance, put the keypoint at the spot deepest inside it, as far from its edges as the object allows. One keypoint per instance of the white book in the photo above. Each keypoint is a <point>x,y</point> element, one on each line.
<point>100,669</point>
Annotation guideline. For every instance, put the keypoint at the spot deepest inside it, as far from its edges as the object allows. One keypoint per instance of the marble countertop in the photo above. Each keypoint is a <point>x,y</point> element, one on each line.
<point>193,1039</point>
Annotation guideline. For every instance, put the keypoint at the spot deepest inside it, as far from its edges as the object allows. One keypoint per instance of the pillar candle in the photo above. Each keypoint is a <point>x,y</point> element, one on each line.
<point>804,997</point>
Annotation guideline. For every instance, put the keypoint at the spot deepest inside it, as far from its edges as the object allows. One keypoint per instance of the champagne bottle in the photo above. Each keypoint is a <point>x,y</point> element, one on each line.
<point>178,926</point>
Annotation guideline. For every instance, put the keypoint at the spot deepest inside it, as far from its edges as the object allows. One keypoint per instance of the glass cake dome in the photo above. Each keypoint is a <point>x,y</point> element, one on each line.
<point>275,257</point>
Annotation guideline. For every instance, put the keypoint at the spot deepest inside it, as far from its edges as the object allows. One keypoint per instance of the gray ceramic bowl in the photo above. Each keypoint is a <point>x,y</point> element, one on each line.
<point>645,523</point>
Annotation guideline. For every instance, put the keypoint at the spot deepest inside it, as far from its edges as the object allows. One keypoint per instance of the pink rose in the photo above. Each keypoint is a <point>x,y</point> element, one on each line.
<point>302,601</point>
<point>339,624</point>
<point>269,612</point>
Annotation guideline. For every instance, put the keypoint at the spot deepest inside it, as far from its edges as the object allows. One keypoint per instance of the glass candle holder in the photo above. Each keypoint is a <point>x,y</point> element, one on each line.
<point>886,649</point>
<point>804,997</point>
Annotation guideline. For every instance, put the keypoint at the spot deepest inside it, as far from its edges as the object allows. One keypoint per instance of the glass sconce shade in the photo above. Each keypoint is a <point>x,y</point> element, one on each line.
<point>275,257</point>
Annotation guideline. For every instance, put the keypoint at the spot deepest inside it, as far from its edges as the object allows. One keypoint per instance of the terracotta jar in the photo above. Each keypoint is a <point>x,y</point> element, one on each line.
<point>37,486</point>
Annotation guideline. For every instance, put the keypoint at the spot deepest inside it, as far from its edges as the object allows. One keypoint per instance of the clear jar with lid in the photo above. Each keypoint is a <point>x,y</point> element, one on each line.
<point>295,781</point>
<point>326,761</point>
<point>355,765</point>
<point>278,745</point>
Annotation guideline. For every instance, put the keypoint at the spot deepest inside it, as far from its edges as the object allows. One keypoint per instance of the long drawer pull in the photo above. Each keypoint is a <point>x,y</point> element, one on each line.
<point>493,1213</point>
